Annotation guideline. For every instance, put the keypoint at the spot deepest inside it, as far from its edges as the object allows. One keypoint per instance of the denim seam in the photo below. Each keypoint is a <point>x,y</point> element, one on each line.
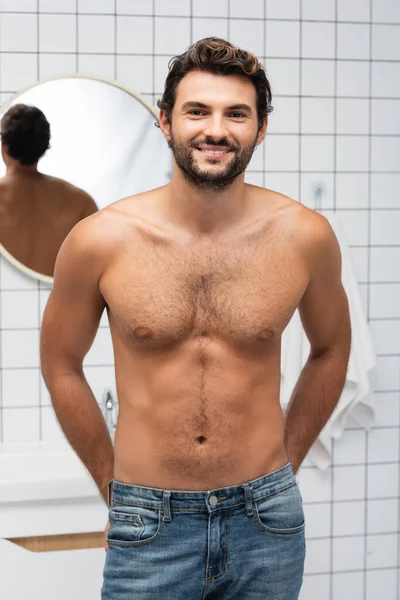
<point>284,532</point>
<point>145,542</point>
<point>216,577</point>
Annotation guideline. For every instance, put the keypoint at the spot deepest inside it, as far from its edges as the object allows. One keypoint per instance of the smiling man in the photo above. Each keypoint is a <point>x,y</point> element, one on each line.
<point>200,279</point>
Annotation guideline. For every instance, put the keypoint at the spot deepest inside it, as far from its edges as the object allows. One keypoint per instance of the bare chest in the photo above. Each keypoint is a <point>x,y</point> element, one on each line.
<point>243,293</point>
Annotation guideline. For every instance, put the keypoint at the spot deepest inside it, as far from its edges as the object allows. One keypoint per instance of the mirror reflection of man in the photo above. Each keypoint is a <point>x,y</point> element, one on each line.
<point>37,211</point>
<point>200,278</point>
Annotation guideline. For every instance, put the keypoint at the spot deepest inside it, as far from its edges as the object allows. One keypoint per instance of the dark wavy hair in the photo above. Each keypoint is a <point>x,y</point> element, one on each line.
<point>26,133</point>
<point>217,56</point>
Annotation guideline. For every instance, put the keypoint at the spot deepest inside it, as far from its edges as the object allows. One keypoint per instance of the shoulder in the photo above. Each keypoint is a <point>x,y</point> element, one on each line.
<point>64,187</point>
<point>303,224</point>
<point>99,237</point>
<point>304,229</point>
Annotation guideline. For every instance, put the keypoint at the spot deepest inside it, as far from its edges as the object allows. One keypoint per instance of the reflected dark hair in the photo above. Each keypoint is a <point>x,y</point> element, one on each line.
<point>26,133</point>
<point>217,56</point>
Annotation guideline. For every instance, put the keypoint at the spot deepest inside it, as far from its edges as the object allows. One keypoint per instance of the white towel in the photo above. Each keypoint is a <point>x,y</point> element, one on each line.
<point>357,398</point>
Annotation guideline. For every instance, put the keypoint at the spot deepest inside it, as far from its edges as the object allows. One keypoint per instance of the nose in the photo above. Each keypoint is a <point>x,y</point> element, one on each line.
<point>216,127</point>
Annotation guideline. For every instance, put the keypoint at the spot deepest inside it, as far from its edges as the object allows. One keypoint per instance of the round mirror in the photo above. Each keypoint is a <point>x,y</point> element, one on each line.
<point>104,146</point>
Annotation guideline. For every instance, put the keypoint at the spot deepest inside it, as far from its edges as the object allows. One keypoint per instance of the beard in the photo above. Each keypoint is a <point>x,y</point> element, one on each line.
<point>209,180</point>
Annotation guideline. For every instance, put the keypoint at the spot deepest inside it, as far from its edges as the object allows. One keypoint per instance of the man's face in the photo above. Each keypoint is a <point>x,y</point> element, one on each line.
<point>214,128</point>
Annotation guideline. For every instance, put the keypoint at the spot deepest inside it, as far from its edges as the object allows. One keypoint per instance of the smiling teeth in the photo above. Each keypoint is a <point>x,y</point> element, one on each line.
<point>214,151</point>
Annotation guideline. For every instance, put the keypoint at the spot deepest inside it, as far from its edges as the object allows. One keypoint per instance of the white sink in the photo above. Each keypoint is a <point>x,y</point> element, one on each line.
<point>42,471</point>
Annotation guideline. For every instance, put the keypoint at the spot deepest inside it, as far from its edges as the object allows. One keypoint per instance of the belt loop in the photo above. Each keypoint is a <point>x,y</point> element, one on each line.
<point>166,507</point>
<point>248,501</point>
<point>109,493</point>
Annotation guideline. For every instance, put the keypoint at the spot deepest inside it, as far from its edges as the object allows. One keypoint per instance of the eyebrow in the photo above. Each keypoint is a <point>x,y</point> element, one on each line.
<point>193,104</point>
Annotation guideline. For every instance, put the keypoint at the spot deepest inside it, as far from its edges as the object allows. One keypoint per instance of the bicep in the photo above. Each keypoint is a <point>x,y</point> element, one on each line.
<point>324,308</point>
<point>74,308</point>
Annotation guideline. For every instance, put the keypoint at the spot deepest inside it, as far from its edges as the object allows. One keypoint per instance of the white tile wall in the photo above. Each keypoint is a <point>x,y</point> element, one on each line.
<point>248,34</point>
<point>353,41</point>
<point>18,33</point>
<point>210,8</point>
<point>96,6</point>
<point>386,11</point>
<point>317,115</point>
<point>384,190</point>
<point>387,410</point>
<point>324,87</point>
<point>88,64</point>
<point>57,33</point>
<point>282,39</point>
<point>285,116</point>
<point>349,518</point>
<point>317,153</point>
<point>385,42</point>
<point>178,7</point>
<point>386,79</point>
<point>318,10</point>
<point>164,42</point>
<point>250,10</point>
<point>284,76</point>
<point>96,33</point>
<point>379,580</point>
<point>385,115</point>
<point>348,586</point>
<point>318,40</point>
<point>63,6</point>
<point>276,9</point>
<point>352,191</point>
<point>203,27</point>
<point>356,10</point>
<point>317,77</point>
<point>353,78</point>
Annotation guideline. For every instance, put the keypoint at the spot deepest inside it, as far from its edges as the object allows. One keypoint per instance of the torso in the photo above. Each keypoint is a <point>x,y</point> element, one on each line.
<point>196,329</point>
<point>36,215</point>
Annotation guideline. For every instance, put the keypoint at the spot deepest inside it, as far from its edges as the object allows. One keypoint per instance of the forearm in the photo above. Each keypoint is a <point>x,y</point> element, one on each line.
<point>313,400</point>
<point>83,424</point>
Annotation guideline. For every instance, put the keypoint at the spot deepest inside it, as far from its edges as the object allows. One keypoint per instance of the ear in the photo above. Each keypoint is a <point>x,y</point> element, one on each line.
<point>262,132</point>
<point>165,125</point>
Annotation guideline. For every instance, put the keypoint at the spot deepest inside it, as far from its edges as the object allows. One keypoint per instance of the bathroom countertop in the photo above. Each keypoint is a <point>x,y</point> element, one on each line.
<point>46,490</point>
<point>42,471</point>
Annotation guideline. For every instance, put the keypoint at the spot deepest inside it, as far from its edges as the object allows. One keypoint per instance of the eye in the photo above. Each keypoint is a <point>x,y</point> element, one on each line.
<point>238,115</point>
<point>196,112</point>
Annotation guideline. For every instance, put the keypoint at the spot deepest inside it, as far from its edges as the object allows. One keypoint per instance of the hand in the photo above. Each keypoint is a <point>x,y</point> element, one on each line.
<point>105,535</point>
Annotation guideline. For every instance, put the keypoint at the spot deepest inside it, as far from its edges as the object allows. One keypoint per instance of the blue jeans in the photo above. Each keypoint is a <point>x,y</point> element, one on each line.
<point>243,542</point>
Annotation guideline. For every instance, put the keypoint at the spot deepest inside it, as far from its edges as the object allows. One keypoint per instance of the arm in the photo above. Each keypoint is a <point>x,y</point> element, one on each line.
<point>70,323</point>
<point>89,207</point>
<point>325,317</point>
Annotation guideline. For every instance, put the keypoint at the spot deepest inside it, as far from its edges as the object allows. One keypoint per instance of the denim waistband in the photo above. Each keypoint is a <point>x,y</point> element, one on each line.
<point>223,497</point>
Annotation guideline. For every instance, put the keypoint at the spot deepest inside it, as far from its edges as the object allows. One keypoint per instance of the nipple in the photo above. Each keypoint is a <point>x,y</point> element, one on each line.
<point>265,334</point>
<point>143,333</point>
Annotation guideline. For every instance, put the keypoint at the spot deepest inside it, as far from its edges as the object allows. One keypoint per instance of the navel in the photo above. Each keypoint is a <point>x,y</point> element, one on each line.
<point>201,439</point>
<point>143,333</point>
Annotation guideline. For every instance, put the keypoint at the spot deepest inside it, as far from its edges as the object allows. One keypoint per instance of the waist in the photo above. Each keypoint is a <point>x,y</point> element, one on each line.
<point>225,496</point>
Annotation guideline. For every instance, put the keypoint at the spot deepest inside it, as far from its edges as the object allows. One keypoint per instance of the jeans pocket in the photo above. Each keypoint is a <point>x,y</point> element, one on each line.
<point>281,512</point>
<point>133,525</point>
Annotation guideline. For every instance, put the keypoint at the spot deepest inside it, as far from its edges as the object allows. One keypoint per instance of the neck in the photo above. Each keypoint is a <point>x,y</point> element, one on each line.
<point>205,212</point>
<point>15,169</point>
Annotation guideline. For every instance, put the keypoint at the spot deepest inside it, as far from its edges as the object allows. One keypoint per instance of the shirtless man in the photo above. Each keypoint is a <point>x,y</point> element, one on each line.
<point>37,211</point>
<point>199,279</point>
